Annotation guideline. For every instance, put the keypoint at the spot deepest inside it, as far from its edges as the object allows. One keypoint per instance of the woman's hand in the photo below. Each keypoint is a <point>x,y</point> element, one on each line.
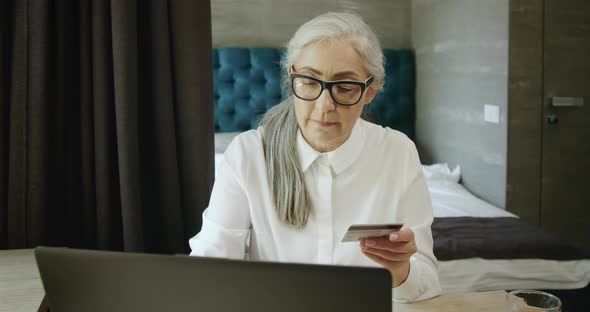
<point>393,253</point>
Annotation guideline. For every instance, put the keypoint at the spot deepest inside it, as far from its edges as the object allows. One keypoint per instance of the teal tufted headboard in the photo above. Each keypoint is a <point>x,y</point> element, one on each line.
<point>246,83</point>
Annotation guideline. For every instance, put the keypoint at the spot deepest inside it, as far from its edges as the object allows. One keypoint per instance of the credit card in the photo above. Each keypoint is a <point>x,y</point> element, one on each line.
<point>357,232</point>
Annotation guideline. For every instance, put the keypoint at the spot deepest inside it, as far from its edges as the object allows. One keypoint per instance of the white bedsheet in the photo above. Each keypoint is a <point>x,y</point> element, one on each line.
<point>476,274</point>
<point>451,199</point>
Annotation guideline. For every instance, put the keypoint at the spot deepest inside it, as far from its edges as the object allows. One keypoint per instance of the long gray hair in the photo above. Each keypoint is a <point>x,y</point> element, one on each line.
<point>279,124</point>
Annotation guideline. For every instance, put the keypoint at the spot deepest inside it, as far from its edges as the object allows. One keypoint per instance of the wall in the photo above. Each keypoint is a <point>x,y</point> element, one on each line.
<point>270,23</point>
<point>462,59</point>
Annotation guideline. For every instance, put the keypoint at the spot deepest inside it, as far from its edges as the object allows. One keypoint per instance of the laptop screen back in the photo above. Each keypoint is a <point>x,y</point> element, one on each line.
<point>84,280</point>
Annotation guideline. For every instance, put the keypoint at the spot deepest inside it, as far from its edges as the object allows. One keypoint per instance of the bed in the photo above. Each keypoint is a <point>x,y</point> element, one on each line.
<point>468,232</point>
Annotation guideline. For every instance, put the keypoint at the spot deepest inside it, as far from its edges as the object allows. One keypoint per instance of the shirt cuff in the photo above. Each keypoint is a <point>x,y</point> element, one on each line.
<point>410,289</point>
<point>214,240</point>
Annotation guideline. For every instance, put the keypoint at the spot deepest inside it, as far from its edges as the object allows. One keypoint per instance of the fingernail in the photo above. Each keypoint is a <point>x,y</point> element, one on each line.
<point>393,237</point>
<point>370,243</point>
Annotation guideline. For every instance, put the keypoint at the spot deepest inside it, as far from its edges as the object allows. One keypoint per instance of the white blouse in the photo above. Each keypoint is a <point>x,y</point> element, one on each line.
<point>374,177</point>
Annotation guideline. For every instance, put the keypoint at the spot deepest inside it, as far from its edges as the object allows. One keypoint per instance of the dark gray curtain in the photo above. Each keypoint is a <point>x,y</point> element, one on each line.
<point>106,123</point>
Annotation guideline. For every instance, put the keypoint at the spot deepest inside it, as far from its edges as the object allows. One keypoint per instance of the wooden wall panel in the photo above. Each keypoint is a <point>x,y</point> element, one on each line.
<point>525,108</point>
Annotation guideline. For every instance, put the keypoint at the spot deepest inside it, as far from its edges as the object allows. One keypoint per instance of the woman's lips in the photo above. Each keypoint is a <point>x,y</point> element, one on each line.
<point>325,123</point>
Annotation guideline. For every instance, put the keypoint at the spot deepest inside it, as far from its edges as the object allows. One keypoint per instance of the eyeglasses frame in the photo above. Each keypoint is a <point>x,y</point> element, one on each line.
<point>329,84</point>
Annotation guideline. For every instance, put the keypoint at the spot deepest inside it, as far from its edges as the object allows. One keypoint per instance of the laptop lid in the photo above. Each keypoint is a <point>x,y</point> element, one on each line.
<point>85,280</point>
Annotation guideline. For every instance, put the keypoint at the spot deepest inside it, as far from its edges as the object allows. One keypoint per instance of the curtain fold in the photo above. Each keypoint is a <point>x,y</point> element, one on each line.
<point>106,123</point>
<point>5,54</point>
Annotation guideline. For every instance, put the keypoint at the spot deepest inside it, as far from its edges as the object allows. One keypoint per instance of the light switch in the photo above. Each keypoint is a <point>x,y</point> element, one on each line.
<point>491,113</point>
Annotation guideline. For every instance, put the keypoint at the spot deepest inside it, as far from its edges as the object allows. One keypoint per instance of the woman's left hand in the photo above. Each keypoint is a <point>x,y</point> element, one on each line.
<point>392,252</point>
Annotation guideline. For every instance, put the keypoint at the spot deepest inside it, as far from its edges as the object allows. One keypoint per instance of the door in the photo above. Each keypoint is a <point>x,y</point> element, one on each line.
<point>565,182</point>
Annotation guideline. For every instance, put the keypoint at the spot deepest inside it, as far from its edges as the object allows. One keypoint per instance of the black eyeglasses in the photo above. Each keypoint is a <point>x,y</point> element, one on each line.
<point>347,92</point>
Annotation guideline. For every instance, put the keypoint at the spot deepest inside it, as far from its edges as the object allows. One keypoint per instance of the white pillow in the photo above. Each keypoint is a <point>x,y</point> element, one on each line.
<point>442,172</point>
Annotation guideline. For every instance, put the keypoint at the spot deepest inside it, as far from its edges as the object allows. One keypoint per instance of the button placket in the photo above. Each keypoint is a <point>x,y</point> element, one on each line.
<point>325,248</point>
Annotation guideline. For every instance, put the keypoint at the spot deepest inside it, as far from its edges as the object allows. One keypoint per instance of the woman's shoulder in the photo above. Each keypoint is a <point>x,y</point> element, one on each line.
<point>244,153</point>
<point>392,148</point>
<point>253,136</point>
<point>245,142</point>
<point>386,138</point>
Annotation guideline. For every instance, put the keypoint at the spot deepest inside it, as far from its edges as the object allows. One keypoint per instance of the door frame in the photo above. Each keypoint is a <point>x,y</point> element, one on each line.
<point>525,109</point>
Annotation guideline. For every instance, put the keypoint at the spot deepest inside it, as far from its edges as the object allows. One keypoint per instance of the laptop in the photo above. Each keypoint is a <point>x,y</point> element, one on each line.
<point>85,280</point>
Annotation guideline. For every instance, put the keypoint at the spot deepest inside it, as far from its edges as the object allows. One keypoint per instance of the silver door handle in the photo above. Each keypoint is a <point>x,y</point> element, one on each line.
<point>561,101</point>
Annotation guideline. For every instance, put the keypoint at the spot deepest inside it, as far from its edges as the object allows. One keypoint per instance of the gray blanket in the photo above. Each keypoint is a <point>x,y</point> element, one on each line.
<point>497,238</point>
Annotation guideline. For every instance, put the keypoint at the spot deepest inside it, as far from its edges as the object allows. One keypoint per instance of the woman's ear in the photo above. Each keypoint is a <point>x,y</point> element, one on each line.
<point>370,94</point>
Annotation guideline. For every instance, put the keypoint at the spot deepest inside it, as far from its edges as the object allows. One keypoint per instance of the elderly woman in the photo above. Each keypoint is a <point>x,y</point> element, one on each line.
<point>314,167</point>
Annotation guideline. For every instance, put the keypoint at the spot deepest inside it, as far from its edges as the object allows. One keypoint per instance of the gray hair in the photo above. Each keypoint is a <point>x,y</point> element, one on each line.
<point>279,124</point>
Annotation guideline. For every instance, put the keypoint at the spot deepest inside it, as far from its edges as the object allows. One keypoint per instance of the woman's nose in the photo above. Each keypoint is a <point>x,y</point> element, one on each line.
<point>325,103</point>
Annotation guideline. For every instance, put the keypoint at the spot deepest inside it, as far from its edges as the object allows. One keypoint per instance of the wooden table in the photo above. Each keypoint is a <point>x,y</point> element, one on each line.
<point>481,301</point>
<point>21,290</point>
<point>20,284</point>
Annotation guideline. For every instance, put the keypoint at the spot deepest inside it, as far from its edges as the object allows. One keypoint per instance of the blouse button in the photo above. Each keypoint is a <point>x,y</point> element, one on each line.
<point>324,160</point>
